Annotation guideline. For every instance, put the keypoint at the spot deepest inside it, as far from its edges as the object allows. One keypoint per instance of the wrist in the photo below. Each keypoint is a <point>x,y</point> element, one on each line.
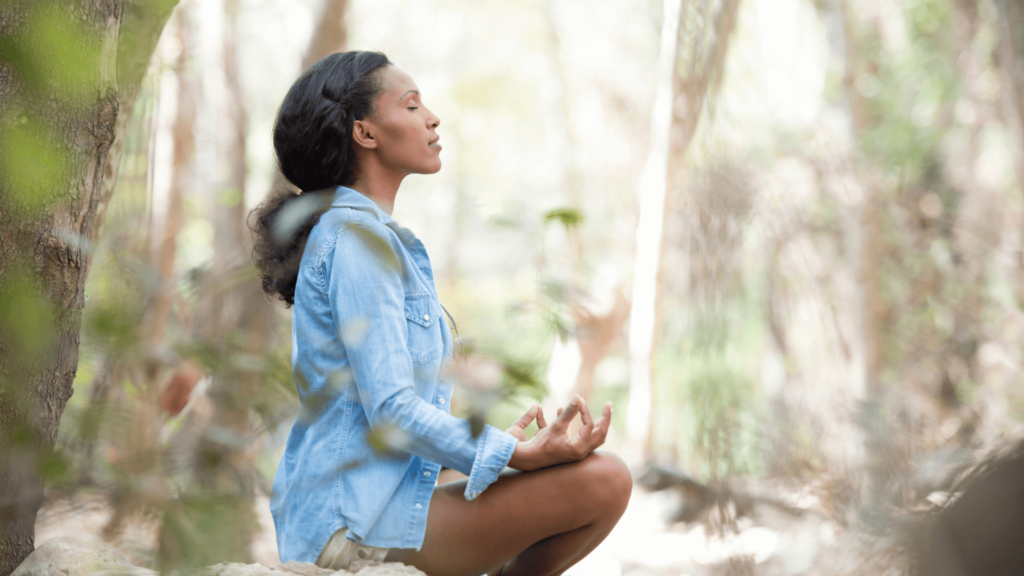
<point>523,458</point>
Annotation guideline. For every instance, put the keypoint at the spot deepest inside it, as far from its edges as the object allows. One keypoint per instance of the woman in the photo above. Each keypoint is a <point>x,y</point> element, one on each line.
<point>368,347</point>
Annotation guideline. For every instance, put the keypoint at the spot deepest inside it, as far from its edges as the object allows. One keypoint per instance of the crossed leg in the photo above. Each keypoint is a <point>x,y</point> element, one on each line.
<point>526,523</point>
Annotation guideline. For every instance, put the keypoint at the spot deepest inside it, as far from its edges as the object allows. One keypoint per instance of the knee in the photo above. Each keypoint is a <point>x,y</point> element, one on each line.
<point>609,480</point>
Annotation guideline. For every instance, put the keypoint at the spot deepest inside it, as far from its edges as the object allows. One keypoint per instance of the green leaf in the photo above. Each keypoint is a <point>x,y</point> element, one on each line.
<point>568,217</point>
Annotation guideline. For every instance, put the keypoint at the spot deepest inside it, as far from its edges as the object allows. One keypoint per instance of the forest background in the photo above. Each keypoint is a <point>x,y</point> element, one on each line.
<point>783,236</point>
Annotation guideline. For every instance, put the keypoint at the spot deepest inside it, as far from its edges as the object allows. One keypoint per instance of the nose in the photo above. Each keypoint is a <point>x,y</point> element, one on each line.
<point>433,121</point>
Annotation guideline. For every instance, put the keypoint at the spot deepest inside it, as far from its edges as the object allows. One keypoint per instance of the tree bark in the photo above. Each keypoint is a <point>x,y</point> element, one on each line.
<point>64,101</point>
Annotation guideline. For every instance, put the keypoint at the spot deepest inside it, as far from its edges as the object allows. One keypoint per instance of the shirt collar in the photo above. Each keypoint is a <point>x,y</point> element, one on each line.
<point>345,197</point>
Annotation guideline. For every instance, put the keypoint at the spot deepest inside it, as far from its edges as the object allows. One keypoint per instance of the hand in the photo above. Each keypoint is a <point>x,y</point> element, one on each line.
<point>552,445</point>
<point>518,428</point>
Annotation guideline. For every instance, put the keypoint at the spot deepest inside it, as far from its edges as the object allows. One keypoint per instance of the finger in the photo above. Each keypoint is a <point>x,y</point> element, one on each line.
<point>606,420</point>
<point>585,416</point>
<point>586,420</point>
<point>594,433</point>
<point>527,418</point>
<point>570,412</point>
<point>559,412</point>
<point>606,416</point>
<point>541,422</point>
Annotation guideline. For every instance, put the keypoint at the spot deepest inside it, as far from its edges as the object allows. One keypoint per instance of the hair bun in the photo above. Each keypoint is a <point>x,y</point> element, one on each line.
<point>314,149</point>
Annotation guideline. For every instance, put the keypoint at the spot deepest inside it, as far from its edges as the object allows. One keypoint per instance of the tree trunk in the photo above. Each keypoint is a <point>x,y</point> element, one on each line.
<point>58,118</point>
<point>232,318</point>
<point>1010,59</point>
<point>653,182</point>
<point>685,80</point>
<point>183,131</point>
<point>230,238</point>
<point>873,306</point>
<point>142,23</point>
<point>1010,56</point>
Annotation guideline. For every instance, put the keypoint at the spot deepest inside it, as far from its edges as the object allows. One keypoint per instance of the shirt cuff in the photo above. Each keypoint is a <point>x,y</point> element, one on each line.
<point>493,451</point>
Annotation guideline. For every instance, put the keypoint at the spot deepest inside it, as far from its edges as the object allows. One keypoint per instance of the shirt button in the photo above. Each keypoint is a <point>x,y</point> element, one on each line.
<point>440,400</point>
<point>475,494</point>
<point>426,473</point>
<point>426,317</point>
<point>418,505</point>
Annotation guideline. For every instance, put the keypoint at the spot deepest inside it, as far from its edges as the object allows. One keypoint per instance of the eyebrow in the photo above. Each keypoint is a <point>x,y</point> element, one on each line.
<point>407,92</point>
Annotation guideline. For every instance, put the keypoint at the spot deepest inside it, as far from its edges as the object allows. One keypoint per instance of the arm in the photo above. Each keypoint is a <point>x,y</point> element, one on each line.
<point>365,284</point>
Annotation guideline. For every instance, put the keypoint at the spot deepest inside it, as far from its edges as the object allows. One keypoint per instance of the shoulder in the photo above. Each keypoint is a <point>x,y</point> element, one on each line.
<point>359,249</point>
<point>353,233</point>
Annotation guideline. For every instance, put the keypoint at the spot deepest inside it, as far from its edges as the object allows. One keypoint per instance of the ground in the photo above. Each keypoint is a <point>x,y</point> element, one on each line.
<point>786,538</point>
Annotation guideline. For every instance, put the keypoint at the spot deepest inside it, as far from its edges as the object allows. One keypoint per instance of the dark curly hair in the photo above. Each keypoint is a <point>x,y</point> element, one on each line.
<point>313,143</point>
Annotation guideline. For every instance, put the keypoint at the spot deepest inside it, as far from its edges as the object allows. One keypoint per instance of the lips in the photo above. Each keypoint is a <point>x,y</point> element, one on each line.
<point>433,143</point>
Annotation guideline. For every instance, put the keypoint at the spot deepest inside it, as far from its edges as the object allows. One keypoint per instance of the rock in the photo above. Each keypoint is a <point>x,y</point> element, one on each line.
<point>235,569</point>
<point>90,556</point>
<point>77,556</point>
<point>373,568</point>
<point>302,569</point>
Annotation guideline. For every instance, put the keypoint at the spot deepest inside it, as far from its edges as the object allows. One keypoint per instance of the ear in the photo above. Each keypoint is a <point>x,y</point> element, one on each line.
<point>362,134</point>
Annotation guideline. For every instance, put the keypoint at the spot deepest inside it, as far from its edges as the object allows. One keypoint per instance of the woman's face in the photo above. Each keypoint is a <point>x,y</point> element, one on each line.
<point>403,128</point>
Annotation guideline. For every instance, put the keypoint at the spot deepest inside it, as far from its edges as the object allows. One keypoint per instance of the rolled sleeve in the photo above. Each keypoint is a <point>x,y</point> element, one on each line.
<point>363,278</point>
<point>494,450</point>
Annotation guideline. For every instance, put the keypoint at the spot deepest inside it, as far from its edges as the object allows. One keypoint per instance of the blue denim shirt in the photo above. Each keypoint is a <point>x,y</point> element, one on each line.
<point>368,346</point>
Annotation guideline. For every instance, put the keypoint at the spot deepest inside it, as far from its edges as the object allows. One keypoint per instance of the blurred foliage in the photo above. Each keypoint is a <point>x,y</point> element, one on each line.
<point>568,217</point>
<point>26,317</point>
<point>202,517</point>
<point>760,345</point>
<point>34,166</point>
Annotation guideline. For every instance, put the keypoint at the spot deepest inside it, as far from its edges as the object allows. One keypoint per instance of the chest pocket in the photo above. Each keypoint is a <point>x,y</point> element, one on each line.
<point>425,339</point>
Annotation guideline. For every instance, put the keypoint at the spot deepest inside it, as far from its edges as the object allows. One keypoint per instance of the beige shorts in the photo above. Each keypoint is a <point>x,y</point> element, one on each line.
<point>340,552</point>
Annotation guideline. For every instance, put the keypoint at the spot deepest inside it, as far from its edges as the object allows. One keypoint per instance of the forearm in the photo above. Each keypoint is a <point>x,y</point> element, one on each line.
<point>435,435</point>
<point>426,431</point>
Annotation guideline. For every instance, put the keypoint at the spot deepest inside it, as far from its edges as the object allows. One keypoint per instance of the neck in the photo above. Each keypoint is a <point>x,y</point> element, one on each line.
<point>377,183</point>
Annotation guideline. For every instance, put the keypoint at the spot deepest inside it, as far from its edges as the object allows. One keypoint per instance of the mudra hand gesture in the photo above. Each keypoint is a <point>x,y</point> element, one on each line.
<point>552,445</point>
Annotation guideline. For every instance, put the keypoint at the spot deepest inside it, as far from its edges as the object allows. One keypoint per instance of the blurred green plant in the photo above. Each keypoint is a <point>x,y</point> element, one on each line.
<point>712,413</point>
<point>33,164</point>
<point>568,217</point>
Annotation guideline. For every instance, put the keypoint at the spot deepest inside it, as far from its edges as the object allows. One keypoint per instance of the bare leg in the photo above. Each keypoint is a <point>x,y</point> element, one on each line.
<point>526,523</point>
